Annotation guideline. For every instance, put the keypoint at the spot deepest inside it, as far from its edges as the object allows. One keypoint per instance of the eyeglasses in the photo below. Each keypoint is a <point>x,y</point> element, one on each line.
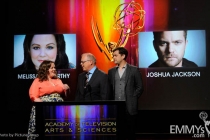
<point>82,62</point>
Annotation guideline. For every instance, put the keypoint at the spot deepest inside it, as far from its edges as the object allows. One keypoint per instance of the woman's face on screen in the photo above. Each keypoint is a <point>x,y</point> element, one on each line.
<point>43,47</point>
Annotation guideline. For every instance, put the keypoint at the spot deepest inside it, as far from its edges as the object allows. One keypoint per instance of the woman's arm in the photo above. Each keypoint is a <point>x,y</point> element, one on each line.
<point>34,91</point>
<point>64,86</point>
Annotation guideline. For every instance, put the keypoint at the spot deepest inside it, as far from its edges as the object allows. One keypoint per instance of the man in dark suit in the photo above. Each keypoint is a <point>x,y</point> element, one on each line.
<point>92,83</point>
<point>126,85</point>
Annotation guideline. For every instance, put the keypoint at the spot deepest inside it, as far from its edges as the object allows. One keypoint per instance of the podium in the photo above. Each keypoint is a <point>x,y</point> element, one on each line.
<point>79,120</point>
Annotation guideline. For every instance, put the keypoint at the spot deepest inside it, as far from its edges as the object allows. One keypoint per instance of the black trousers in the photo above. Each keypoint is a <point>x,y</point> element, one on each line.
<point>127,127</point>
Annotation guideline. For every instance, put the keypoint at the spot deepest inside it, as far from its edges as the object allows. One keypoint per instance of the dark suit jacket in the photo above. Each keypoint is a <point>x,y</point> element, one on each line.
<point>133,87</point>
<point>98,87</point>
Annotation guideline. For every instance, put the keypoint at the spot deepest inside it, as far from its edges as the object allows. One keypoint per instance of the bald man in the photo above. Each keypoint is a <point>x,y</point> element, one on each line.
<point>92,82</point>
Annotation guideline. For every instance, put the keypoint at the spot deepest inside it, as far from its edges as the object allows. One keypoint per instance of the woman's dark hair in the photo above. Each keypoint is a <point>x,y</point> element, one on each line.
<point>44,70</point>
<point>61,61</point>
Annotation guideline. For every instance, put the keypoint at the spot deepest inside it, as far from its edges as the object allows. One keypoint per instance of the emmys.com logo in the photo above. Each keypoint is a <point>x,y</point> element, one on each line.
<point>197,131</point>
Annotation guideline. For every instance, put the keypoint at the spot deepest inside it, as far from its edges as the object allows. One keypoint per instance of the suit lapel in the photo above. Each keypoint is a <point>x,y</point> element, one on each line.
<point>94,75</point>
<point>128,71</point>
<point>83,78</point>
<point>113,76</point>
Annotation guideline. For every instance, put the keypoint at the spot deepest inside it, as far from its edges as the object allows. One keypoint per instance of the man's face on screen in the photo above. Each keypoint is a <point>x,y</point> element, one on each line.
<point>171,47</point>
<point>43,47</point>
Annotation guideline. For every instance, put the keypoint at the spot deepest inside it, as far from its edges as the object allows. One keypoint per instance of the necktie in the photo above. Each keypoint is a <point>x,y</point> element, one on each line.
<point>87,79</point>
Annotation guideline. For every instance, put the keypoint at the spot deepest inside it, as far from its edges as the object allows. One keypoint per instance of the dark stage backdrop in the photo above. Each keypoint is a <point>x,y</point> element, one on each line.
<point>74,17</point>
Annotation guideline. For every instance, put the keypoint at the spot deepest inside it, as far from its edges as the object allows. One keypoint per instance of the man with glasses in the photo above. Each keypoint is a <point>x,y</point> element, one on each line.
<point>92,82</point>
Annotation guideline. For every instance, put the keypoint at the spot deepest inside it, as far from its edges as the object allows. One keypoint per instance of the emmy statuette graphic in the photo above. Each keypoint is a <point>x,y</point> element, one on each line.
<point>203,115</point>
<point>129,20</point>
